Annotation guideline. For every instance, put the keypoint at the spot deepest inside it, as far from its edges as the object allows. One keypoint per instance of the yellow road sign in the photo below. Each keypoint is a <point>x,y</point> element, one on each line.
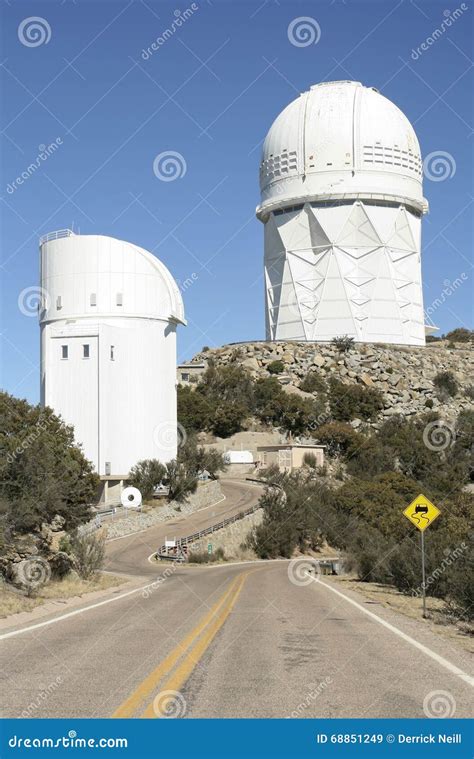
<point>421,512</point>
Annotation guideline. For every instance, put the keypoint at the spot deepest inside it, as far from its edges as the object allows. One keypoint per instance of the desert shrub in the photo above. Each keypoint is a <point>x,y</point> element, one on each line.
<point>228,418</point>
<point>298,415</point>
<point>347,402</point>
<point>460,335</point>
<point>146,475</point>
<point>179,480</point>
<point>339,438</point>
<point>203,557</point>
<point>343,344</point>
<point>194,408</point>
<point>446,383</point>
<point>276,367</point>
<point>429,403</point>
<point>88,554</point>
<point>313,383</point>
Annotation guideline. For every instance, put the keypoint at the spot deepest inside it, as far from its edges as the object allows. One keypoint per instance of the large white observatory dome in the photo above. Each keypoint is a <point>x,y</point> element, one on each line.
<point>341,139</point>
<point>342,201</point>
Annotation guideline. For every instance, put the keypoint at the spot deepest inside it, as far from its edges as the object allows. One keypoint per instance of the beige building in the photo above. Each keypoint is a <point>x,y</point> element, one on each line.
<point>189,373</point>
<point>289,456</point>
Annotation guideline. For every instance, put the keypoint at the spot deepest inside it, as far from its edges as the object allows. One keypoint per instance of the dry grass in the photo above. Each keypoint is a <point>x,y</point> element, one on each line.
<point>14,602</point>
<point>438,620</point>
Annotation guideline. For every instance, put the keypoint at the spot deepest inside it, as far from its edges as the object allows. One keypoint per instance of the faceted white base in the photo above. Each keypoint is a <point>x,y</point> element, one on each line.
<point>349,269</point>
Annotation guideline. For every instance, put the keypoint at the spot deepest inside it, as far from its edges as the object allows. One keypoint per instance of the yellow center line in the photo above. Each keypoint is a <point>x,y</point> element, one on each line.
<point>149,684</point>
<point>184,670</point>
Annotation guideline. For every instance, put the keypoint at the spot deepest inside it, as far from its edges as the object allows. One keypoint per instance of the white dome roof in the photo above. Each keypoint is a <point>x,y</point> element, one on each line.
<point>97,276</point>
<point>340,140</point>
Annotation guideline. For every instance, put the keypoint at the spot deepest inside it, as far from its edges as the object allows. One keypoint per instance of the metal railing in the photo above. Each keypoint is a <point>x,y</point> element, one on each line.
<point>57,235</point>
<point>180,549</point>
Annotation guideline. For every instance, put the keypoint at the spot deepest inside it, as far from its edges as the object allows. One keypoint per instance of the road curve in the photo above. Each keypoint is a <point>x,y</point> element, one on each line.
<point>129,555</point>
<point>232,641</point>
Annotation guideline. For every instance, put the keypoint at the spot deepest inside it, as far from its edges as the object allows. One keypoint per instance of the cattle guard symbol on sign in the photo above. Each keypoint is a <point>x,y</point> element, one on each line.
<point>421,512</point>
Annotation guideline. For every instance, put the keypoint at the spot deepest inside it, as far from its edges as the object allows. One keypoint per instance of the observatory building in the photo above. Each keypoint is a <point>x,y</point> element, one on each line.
<point>108,322</point>
<point>342,202</point>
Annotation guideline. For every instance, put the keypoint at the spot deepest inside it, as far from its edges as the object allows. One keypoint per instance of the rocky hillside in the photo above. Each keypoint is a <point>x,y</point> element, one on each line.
<point>405,375</point>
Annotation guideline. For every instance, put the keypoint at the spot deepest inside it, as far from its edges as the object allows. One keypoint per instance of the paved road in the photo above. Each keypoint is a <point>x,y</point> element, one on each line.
<point>129,555</point>
<point>230,641</point>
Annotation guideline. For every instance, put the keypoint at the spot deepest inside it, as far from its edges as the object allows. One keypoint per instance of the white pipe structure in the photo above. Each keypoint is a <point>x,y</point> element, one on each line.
<point>108,322</point>
<point>342,202</point>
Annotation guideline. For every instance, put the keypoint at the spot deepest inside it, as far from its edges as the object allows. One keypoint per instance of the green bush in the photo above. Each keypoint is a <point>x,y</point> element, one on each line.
<point>339,438</point>
<point>313,383</point>
<point>146,475</point>
<point>44,473</point>
<point>347,402</point>
<point>460,335</point>
<point>446,383</point>
<point>276,367</point>
<point>309,459</point>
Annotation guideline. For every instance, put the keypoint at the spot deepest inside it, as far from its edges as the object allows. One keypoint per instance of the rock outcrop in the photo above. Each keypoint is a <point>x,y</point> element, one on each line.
<point>405,375</point>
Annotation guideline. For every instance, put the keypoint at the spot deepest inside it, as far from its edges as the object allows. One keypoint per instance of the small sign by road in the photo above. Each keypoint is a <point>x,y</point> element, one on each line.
<point>421,512</point>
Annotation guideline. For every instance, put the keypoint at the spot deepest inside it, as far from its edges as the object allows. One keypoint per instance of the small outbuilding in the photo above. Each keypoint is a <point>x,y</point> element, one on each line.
<point>238,457</point>
<point>289,456</point>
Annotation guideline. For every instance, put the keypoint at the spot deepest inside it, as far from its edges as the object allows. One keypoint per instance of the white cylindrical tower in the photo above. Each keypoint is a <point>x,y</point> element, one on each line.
<point>108,348</point>
<point>342,201</point>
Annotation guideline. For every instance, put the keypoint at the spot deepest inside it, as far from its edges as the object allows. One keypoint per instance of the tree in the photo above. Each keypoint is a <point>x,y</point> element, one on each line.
<point>179,481</point>
<point>198,459</point>
<point>44,473</point>
<point>194,409</point>
<point>146,476</point>
<point>339,438</point>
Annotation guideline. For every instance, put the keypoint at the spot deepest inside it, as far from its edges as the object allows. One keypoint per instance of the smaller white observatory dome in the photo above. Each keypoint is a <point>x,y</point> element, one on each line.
<point>340,139</point>
<point>108,323</point>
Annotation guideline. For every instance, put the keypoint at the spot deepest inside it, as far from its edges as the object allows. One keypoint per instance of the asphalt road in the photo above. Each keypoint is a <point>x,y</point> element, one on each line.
<point>129,555</point>
<point>255,640</point>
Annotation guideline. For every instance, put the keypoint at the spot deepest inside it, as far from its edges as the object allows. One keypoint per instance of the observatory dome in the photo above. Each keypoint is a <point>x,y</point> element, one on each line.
<point>341,140</point>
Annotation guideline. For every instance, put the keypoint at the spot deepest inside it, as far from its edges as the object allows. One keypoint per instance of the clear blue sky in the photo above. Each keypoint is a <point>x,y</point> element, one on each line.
<point>210,92</point>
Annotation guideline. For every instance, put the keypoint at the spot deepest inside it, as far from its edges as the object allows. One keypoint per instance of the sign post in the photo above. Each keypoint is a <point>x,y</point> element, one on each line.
<point>421,512</point>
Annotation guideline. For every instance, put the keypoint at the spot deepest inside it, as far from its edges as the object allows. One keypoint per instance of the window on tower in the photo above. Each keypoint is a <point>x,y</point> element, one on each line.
<point>64,351</point>
<point>86,351</point>
<point>119,299</point>
<point>93,300</point>
<point>112,352</point>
